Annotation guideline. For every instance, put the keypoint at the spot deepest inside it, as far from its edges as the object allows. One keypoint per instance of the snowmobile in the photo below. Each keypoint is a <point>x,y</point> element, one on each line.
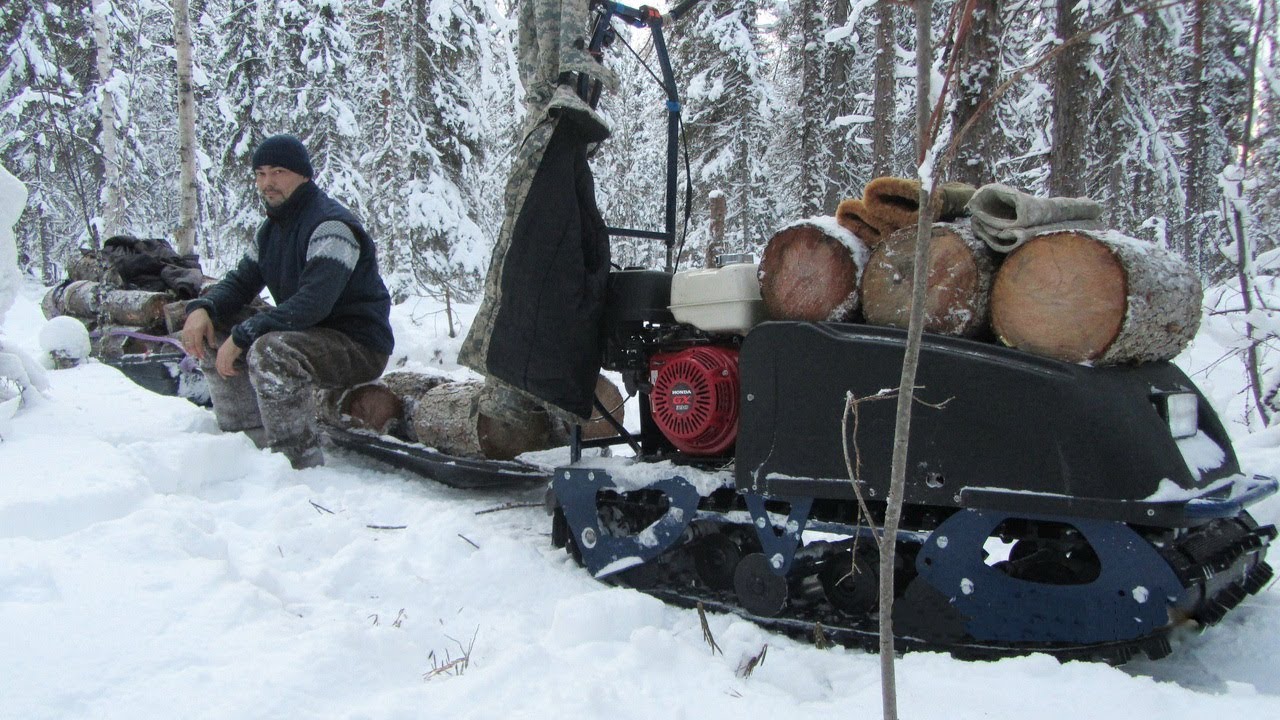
<point>1050,507</point>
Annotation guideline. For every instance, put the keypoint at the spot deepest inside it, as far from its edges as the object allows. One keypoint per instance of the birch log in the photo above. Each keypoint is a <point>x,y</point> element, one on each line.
<point>810,271</point>
<point>94,301</point>
<point>90,265</point>
<point>1098,297</point>
<point>961,268</point>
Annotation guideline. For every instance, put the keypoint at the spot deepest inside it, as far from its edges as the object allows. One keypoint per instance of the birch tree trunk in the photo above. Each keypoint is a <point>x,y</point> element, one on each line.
<point>185,235</point>
<point>109,140</point>
<point>910,362</point>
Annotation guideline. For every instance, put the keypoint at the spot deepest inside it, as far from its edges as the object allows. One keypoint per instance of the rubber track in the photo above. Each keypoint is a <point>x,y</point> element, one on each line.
<point>1116,653</point>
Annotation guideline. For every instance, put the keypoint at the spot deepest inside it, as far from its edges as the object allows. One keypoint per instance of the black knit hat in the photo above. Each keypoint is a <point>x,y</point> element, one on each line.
<point>284,151</point>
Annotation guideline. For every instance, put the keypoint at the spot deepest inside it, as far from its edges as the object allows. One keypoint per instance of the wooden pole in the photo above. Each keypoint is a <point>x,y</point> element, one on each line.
<point>719,209</point>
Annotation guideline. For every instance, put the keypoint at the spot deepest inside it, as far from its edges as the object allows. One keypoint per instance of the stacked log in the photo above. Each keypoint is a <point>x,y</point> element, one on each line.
<point>1069,292</point>
<point>458,417</point>
<point>93,267</point>
<point>960,272</point>
<point>1097,297</point>
<point>810,271</point>
<point>1078,295</point>
<point>450,418</point>
<point>95,301</point>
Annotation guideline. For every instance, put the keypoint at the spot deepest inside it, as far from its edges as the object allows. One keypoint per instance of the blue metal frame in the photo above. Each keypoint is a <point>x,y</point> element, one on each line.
<point>603,553</point>
<point>1128,600</point>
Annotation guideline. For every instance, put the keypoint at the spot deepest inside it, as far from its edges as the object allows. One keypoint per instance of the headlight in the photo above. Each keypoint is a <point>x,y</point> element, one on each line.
<point>1182,411</point>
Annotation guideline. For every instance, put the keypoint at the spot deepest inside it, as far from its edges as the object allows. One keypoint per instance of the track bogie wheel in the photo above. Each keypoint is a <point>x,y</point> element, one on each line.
<point>851,582</point>
<point>716,558</point>
<point>760,590</point>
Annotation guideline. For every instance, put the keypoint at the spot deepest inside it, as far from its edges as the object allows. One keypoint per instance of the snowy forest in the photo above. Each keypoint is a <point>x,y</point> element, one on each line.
<point>1162,111</point>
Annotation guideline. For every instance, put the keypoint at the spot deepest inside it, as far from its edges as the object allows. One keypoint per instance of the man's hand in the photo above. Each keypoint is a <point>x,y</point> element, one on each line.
<point>197,333</point>
<point>227,356</point>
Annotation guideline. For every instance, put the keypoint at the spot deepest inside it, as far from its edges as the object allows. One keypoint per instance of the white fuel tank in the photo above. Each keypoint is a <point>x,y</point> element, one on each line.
<point>719,300</point>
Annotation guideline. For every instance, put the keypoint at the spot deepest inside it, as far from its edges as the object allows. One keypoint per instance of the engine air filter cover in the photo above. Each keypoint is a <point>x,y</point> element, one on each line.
<point>695,398</point>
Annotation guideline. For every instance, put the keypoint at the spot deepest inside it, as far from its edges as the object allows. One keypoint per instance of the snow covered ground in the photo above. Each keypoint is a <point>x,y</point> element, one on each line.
<point>153,567</point>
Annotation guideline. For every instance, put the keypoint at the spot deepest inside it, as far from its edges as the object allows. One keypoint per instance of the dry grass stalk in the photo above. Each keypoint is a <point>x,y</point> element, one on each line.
<point>749,665</point>
<point>706,630</point>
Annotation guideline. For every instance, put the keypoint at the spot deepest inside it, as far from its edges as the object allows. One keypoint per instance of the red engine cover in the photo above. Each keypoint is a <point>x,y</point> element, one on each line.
<point>695,398</point>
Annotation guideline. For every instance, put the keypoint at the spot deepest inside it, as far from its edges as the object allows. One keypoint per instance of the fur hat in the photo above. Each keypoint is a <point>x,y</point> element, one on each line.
<point>284,151</point>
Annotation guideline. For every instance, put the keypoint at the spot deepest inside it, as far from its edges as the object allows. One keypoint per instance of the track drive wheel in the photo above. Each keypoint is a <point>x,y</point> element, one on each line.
<point>760,591</point>
<point>851,582</point>
<point>716,557</point>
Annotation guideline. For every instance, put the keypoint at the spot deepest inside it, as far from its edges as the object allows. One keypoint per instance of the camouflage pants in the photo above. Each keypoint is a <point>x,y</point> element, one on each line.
<point>273,398</point>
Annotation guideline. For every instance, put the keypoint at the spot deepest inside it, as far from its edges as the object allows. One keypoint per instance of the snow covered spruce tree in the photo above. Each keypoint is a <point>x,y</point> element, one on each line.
<point>630,167</point>
<point>728,110</point>
<point>230,122</point>
<point>821,150</point>
<point>47,126</point>
<point>425,140</point>
<point>1146,113</point>
<point>312,48</point>
<point>1215,99</point>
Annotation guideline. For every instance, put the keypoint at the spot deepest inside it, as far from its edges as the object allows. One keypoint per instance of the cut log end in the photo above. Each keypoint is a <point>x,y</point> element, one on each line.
<point>373,407</point>
<point>611,398</point>
<point>806,274</point>
<point>958,282</point>
<point>1062,295</point>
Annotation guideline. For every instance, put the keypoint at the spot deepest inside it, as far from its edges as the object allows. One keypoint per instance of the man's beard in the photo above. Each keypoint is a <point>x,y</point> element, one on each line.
<point>266,199</point>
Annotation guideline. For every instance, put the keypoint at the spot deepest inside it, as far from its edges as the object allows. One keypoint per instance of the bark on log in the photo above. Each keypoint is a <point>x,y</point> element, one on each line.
<point>810,271</point>
<point>135,307</point>
<point>81,299</point>
<point>431,410</point>
<point>448,418</point>
<point>1098,297</point>
<point>51,305</point>
<point>384,406</point>
<point>91,266</point>
<point>96,301</point>
<point>961,268</point>
<point>175,316</point>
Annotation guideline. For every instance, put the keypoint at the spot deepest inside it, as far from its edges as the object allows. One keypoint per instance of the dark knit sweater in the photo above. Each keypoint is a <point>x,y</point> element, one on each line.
<point>321,268</point>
